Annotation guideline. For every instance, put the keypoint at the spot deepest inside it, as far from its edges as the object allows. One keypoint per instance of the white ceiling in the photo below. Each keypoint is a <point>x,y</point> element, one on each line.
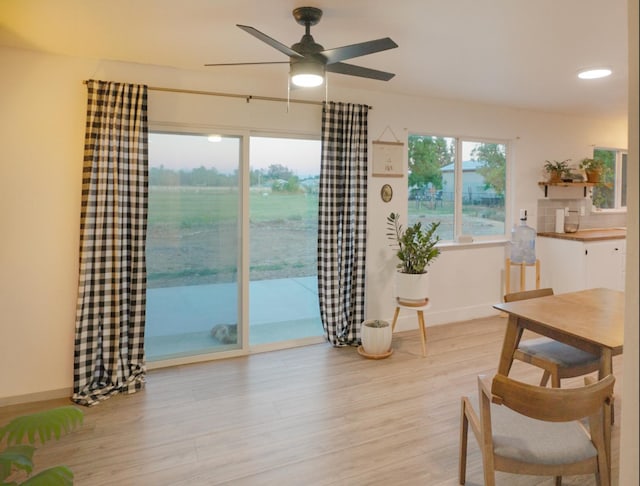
<point>519,53</point>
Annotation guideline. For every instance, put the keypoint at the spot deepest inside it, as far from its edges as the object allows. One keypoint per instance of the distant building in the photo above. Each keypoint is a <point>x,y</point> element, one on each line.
<point>473,186</point>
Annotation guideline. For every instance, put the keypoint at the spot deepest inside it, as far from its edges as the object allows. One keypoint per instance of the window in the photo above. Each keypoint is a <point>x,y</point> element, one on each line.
<point>459,182</point>
<point>612,193</point>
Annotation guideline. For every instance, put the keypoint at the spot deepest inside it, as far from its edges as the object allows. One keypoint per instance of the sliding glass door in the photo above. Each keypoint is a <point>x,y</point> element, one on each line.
<point>194,243</point>
<point>283,215</point>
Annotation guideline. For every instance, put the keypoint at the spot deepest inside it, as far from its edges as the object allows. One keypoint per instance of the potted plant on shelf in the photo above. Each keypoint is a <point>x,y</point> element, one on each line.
<point>376,335</point>
<point>416,249</point>
<point>593,169</point>
<point>557,169</point>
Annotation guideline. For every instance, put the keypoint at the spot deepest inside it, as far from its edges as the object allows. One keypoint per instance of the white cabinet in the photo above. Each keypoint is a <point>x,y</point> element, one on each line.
<point>569,265</point>
<point>605,262</point>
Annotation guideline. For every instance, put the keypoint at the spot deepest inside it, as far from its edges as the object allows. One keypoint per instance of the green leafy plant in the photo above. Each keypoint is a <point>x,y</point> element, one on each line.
<point>415,246</point>
<point>591,164</point>
<point>562,166</point>
<point>17,457</point>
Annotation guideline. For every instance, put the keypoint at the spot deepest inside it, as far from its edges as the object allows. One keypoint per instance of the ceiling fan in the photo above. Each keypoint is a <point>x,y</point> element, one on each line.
<point>309,61</point>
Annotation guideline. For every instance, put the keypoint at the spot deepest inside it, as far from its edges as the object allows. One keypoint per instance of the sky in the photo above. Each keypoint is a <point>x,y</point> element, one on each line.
<point>181,151</point>
<point>186,152</point>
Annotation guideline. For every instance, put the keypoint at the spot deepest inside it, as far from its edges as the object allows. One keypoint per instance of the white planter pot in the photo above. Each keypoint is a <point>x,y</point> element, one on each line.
<point>412,287</point>
<point>376,340</point>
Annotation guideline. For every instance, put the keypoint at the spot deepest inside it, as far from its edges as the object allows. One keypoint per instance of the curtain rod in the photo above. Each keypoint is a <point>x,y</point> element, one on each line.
<point>248,98</point>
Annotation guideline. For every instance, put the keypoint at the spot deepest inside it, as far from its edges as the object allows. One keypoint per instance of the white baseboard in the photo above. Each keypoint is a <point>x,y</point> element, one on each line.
<point>36,397</point>
<point>408,321</point>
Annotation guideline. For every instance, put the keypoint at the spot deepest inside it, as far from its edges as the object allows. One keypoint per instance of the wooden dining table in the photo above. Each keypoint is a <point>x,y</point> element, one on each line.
<point>592,320</point>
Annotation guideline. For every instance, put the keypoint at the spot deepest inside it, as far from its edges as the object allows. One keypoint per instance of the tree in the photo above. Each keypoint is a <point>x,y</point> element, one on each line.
<point>427,155</point>
<point>257,177</point>
<point>292,185</point>
<point>159,176</point>
<point>278,171</point>
<point>494,165</point>
<point>604,194</point>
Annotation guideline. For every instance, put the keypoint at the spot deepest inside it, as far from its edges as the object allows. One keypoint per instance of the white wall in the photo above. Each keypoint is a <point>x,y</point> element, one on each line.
<point>41,142</point>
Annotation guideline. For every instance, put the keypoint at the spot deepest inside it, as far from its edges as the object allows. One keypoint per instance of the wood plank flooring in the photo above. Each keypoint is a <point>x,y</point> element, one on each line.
<point>314,415</point>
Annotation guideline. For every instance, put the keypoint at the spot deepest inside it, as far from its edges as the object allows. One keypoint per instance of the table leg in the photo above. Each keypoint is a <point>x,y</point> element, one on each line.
<point>606,363</point>
<point>512,336</point>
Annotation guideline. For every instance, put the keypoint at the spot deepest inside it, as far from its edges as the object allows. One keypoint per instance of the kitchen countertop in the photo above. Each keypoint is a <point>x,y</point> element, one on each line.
<point>587,235</point>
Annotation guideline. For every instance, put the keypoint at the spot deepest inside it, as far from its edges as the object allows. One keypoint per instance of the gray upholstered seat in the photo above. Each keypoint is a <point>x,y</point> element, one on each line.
<point>557,352</point>
<point>536,441</point>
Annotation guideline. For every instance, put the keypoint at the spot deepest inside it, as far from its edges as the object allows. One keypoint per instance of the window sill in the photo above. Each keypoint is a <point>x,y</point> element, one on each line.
<point>609,211</point>
<point>454,245</point>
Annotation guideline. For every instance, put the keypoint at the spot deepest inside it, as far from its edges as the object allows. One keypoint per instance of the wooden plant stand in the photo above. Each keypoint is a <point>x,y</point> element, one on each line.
<point>419,307</point>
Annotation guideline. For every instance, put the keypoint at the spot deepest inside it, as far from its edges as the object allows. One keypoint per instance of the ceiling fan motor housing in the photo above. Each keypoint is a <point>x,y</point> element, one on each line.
<point>307,16</point>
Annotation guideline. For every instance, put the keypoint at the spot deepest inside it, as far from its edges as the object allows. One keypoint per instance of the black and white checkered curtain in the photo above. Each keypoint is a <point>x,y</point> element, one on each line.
<point>342,216</point>
<point>110,316</point>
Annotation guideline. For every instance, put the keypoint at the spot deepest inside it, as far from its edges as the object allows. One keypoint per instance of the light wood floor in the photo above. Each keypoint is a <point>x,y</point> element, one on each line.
<point>314,415</point>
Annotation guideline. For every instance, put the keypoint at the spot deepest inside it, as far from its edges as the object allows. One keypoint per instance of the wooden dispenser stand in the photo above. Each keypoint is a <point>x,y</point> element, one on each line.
<point>523,274</point>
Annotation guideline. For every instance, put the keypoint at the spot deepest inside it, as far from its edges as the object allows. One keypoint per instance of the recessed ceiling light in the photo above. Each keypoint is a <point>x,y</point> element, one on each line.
<point>594,73</point>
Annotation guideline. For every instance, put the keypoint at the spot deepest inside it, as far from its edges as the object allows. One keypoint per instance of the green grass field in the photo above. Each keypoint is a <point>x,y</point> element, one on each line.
<point>193,235</point>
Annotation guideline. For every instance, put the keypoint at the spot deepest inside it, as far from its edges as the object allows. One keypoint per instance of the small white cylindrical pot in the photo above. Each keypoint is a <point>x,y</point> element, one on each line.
<point>376,336</point>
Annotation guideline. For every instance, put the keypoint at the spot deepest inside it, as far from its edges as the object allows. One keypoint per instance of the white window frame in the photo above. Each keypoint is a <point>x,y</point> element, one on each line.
<point>617,194</point>
<point>458,196</point>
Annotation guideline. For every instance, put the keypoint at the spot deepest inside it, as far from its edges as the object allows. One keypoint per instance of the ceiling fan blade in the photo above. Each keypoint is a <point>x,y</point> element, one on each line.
<point>351,70</point>
<point>268,40</point>
<point>356,50</point>
<point>246,63</point>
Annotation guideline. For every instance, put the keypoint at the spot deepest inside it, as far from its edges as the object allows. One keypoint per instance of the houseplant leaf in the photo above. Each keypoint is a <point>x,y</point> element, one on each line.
<point>415,246</point>
<point>19,456</point>
<point>55,476</point>
<point>43,425</point>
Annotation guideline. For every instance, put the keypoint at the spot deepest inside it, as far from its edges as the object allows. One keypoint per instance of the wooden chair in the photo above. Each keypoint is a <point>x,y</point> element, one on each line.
<point>558,360</point>
<point>533,430</point>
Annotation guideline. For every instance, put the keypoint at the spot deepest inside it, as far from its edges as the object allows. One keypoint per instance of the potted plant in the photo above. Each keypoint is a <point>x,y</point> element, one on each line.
<point>593,169</point>
<point>376,335</point>
<point>557,169</point>
<point>416,249</point>
<point>16,459</point>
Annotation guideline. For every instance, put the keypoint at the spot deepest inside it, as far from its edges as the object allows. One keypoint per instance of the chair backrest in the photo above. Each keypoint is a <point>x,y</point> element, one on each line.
<point>553,404</point>
<point>528,294</point>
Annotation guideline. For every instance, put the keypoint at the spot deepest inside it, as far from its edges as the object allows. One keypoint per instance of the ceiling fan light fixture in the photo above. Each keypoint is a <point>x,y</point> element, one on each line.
<point>594,73</point>
<point>307,74</point>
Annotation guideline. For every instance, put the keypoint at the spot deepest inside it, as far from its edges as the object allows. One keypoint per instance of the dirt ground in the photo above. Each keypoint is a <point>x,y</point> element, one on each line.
<point>278,249</point>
